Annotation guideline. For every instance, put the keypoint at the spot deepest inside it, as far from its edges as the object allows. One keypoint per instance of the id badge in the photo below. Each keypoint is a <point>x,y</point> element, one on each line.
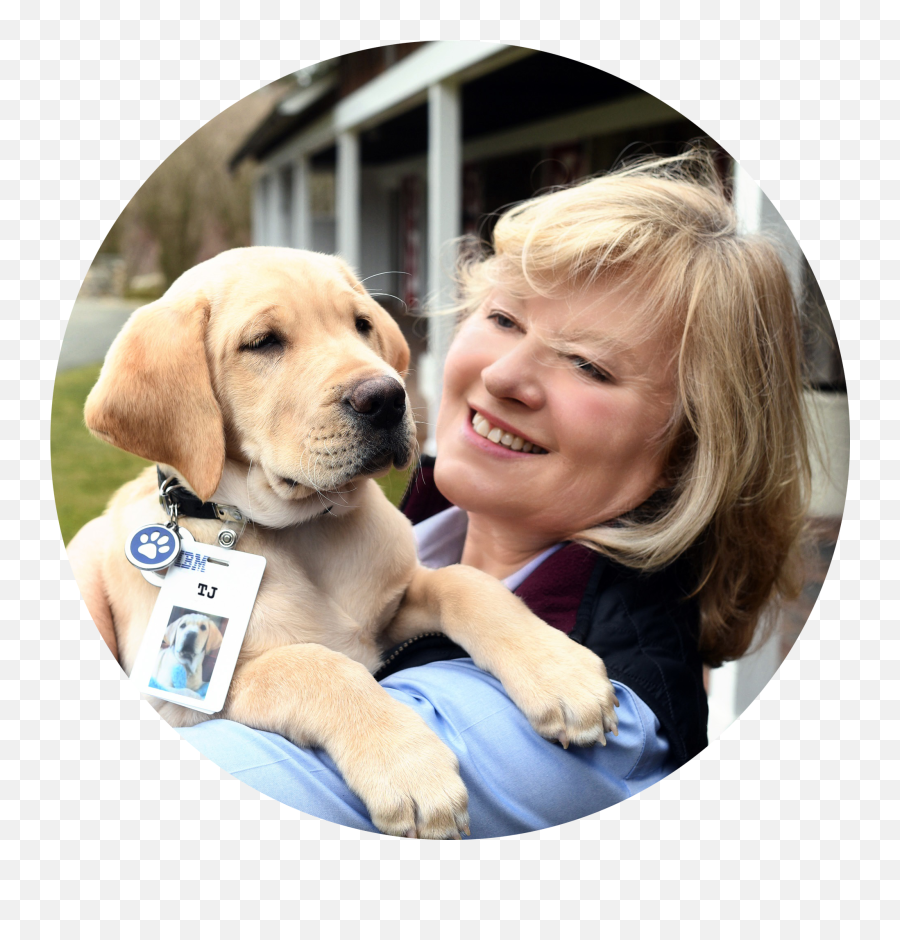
<point>191,646</point>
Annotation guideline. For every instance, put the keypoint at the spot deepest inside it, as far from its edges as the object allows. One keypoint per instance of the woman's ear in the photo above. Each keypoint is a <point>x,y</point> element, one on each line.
<point>675,454</point>
<point>154,397</point>
<point>663,481</point>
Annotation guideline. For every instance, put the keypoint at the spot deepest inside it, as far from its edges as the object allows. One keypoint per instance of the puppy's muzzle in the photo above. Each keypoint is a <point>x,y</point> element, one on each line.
<point>380,402</point>
<point>378,410</point>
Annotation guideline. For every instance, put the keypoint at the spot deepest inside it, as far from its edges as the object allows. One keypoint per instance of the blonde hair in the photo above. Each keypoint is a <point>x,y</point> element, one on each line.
<point>735,449</point>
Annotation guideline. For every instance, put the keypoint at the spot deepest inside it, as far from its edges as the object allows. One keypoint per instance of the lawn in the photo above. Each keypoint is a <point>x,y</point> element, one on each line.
<point>86,472</point>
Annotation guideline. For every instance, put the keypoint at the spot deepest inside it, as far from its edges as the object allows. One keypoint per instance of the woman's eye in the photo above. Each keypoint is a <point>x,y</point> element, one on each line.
<point>589,369</point>
<point>363,326</point>
<point>503,321</point>
<point>266,341</point>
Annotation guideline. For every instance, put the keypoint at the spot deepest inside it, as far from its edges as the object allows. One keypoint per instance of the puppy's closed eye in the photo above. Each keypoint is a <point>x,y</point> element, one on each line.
<point>266,342</point>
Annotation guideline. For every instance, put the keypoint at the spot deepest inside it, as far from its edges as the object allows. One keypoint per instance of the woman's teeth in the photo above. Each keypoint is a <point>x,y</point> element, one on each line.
<point>483,427</point>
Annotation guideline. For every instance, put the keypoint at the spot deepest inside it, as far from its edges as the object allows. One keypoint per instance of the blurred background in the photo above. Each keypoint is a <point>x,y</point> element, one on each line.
<point>385,156</point>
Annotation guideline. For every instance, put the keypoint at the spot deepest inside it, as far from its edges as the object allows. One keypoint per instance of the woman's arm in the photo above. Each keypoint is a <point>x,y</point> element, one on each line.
<point>85,551</point>
<point>517,781</point>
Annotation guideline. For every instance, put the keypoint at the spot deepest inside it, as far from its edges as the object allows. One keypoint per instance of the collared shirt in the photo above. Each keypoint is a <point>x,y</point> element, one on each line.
<point>440,539</point>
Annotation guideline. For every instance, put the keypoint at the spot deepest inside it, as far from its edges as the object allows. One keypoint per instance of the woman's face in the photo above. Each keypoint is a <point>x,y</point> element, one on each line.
<point>573,401</point>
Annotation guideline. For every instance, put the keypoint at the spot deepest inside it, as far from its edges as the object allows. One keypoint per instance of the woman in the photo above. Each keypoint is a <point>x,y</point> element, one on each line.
<point>621,441</point>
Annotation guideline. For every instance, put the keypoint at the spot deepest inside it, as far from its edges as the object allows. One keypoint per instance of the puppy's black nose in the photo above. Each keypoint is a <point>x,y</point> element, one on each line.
<point>382,401</point>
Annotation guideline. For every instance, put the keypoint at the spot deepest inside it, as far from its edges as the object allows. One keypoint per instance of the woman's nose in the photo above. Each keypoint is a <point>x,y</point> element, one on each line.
<point>515,376</point>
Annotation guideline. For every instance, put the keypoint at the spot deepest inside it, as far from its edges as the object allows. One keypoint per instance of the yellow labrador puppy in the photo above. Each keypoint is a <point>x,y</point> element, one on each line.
<point>269,380</point>
<point>188,641</point>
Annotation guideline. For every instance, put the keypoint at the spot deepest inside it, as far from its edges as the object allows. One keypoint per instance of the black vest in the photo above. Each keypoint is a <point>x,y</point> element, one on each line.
<point>643,626</point>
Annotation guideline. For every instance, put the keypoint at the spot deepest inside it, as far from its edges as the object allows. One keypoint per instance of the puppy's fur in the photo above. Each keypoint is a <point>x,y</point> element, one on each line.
<point>248,380</point>
<point>189,639</point>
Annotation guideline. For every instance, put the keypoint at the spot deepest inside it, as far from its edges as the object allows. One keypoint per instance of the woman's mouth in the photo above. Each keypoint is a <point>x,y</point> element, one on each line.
<point>504,438</point>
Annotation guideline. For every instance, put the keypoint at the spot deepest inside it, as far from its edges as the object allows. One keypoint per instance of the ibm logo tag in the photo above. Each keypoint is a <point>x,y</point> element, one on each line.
<point>193,561</point>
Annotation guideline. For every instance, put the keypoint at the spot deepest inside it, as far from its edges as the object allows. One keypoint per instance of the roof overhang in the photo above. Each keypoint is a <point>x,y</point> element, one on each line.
<point>406,84</point>
<point>305,128</point>
<point>291,115</point>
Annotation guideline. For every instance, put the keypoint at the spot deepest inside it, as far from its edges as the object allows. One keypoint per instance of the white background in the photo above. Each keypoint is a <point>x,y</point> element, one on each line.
<point>109,820</point>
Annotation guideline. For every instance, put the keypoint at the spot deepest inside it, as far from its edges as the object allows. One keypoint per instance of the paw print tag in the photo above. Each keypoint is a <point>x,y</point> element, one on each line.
<point>153,547</point>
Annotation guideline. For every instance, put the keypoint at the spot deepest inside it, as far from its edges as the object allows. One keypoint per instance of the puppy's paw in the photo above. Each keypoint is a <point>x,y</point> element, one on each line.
<point>409,780</point>
<point>563,690</point>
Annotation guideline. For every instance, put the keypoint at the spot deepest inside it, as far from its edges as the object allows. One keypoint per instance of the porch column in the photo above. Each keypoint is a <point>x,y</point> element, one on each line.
<point>261,200</point>
<point>347,197</point>
<point>444,224</point>
<point>300,204</point>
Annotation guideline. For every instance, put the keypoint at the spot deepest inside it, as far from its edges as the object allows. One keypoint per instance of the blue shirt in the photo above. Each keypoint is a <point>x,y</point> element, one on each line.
<point>517,781</point>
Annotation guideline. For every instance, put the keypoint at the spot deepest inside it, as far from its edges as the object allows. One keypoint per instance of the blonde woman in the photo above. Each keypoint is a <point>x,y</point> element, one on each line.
<point>621,442</point>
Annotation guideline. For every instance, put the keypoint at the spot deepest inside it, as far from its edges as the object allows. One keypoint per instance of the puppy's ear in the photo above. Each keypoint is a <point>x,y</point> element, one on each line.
<point>171,630</point>
<point>154,397</point>
<point>349,275</point>
<point>215,637</point>
<point>396,349</point>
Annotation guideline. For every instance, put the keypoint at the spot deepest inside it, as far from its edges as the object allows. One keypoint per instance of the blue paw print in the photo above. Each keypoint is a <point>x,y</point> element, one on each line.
<point>152,546</point>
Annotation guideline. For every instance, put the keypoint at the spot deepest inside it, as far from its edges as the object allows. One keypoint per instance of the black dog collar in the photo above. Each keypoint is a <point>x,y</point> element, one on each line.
<point>178,500</point>
<point>183,502</point>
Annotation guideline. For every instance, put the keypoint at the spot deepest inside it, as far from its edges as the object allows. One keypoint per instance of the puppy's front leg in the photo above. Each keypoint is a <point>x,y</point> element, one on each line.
<point>560,686</point>
<point>407,777</point>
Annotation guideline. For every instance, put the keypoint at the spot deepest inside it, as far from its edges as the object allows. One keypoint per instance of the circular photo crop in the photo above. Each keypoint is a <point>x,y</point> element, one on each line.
<point>523,391</point>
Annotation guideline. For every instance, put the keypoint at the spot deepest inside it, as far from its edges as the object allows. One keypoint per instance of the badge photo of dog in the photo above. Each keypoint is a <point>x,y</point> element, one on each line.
<point>268,380</point>
<point>189,639</point>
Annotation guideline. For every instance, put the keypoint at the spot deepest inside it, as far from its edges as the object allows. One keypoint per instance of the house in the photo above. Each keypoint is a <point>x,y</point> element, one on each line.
<point>389,154</point>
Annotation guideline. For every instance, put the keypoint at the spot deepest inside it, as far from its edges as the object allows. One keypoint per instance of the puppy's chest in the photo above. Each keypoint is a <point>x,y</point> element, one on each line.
<point>294,606</point>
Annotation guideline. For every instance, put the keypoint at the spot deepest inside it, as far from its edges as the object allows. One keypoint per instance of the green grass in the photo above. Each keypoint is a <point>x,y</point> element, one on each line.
<point>86,472</point>
<point>394,484</point>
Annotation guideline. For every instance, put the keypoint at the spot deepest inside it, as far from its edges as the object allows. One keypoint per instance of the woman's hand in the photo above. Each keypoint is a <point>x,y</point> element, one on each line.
<point>85,552</point>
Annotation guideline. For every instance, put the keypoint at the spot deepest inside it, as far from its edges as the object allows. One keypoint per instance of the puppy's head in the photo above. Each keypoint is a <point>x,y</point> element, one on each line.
<point>278,359</point>
<point>193,634</point>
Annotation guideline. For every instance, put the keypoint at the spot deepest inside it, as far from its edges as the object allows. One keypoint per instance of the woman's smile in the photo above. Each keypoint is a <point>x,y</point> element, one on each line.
<point>507,440</point>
